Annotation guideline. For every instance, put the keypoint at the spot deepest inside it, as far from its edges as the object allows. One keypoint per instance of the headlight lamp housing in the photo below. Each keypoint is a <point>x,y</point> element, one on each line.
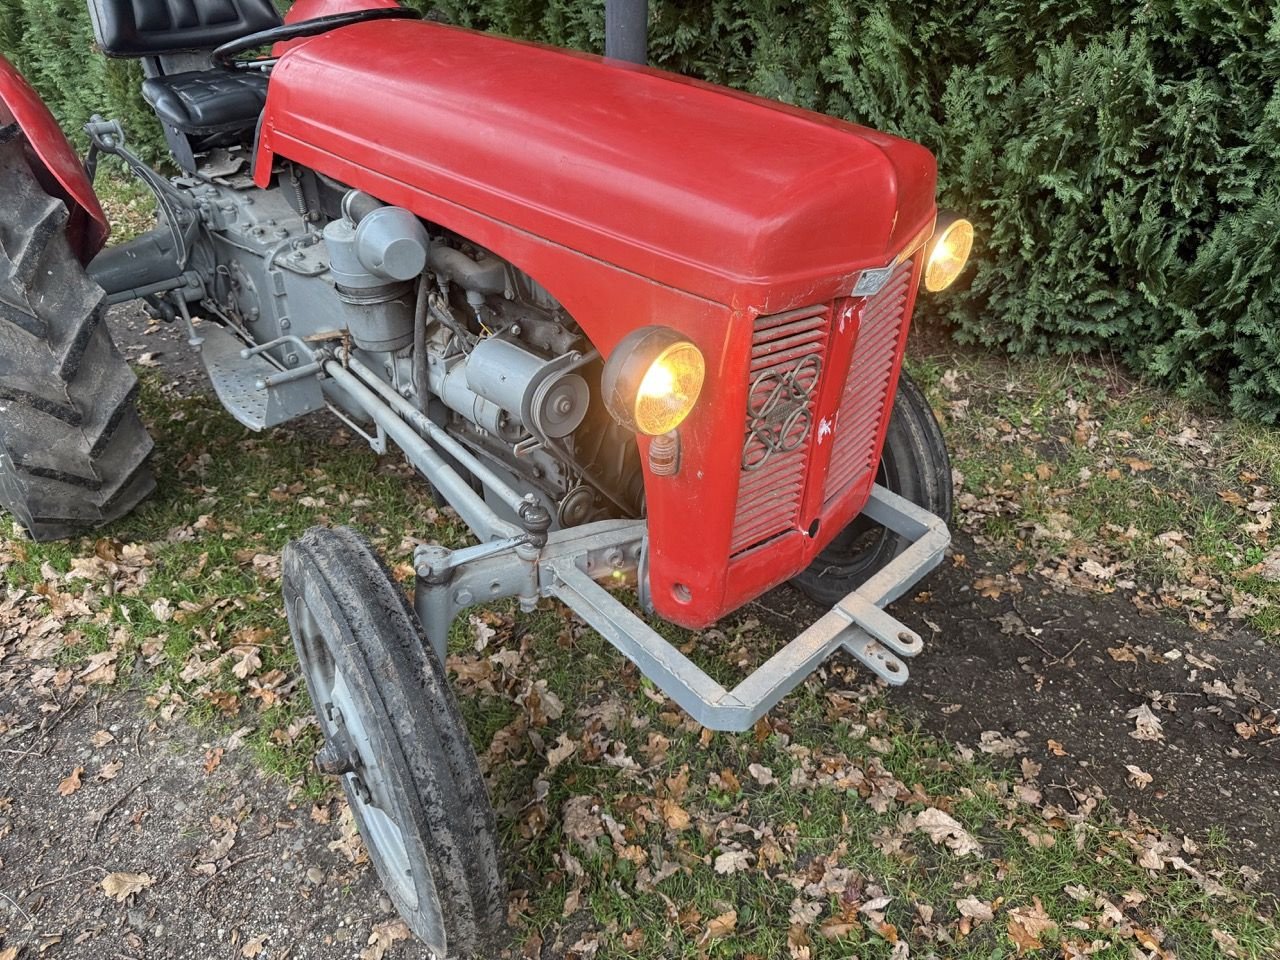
<point>948,251</point>
<point>652,380</point>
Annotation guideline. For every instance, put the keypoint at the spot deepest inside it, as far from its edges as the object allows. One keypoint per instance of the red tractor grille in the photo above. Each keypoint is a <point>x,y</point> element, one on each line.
<point>787,354</point>
<point>866,389</point>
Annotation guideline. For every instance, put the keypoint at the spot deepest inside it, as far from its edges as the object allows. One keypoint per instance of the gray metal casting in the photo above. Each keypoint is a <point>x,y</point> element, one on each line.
<point>487,478</point>
<point>571,564</point>
<point>482,520</point>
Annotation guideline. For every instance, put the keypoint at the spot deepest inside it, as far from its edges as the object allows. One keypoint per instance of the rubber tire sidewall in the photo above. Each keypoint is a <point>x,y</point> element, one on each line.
<point>430,764</point>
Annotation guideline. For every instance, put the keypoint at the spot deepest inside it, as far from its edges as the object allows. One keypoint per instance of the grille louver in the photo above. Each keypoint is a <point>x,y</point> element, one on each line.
<point>866,390</point>
<point>788,356</point>
<point>787,351</point>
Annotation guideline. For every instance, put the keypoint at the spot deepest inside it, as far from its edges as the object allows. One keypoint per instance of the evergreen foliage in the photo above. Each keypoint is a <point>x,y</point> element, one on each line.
<point>1121,161</point>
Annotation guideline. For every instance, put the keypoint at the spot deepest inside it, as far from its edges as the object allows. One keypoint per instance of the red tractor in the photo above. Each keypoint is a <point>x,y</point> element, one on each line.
<point>635,329</point>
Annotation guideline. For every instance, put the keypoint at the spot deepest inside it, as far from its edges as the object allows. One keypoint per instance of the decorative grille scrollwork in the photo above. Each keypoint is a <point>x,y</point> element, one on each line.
<point>780,410</point>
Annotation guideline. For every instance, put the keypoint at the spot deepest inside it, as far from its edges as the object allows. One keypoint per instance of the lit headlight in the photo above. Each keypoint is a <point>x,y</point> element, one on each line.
<point>652,380</point>
<point>948,252</point>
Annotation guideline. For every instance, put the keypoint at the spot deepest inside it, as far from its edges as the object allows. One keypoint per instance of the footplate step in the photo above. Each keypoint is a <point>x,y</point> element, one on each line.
<point>255,391</point>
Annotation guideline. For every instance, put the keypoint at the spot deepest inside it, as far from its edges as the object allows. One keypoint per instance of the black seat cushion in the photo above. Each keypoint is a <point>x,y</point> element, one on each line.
<point>207,101</point>
<point>149,28</point>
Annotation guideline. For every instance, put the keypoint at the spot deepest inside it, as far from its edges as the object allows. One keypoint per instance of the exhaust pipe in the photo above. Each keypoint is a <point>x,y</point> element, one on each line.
<point>626,30</point>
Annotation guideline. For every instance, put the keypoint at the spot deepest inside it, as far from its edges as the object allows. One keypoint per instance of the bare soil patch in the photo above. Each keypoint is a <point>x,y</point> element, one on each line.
<point>226,863</point>
<point>1054,675</point>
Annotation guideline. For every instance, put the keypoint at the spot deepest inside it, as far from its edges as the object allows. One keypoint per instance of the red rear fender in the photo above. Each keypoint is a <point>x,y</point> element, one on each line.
<point>54,160</point>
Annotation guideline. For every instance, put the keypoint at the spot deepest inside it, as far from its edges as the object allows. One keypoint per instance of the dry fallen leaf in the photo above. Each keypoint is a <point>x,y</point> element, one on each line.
<point>1026,924</point>
<point>941,827</point>
<point>248,661</point>
<point>71,783</point>
<point>720,926</point>
<point>254,947</point>
<point>382,937</point>
<point>1226,942</point>
<point>675,816</point>
<point>120,886</point>
<point>565,748</point>
<point>1137,777</point>
<point>212,758</point>
<point>162,610</point>
<point>976,909</point>
<point>732,861</point>
<point>1147,725</point>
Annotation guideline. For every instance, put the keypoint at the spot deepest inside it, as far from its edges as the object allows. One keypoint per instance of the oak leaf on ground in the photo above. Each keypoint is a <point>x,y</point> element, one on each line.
<point>121,886</point>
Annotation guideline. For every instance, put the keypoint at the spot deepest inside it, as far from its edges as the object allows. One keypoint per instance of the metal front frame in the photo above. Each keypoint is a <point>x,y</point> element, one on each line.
<point>572,562</point>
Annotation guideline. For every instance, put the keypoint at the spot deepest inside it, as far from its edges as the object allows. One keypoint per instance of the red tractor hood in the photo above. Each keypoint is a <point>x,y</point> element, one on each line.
<point>716,193</point>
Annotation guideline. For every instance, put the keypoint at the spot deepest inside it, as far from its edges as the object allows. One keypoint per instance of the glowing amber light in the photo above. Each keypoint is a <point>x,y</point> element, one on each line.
<point>669,389</point>
<point>948,255</point>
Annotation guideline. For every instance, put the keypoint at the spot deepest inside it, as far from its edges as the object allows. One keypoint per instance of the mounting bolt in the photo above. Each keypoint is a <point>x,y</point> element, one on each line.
<point>464,597</point>
<point>431,563</point>
<point>614,557</point>
<point>335,759</point>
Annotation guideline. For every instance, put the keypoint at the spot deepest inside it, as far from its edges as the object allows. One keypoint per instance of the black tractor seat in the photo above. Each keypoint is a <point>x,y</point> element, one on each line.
<point>201,106</point>
<point>205,102</point>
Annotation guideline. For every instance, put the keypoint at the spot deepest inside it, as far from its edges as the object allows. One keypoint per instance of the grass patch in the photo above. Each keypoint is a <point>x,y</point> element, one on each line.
<point>1110,484</point>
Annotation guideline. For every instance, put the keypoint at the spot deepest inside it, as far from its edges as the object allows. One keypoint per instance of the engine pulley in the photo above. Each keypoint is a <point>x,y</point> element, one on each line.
<point>546,399</point>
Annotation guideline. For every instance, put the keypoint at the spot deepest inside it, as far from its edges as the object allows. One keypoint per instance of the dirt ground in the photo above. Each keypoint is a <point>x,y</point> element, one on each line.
<point>230,860</point>
<point>1033,672</point>
<point>1029,674</point>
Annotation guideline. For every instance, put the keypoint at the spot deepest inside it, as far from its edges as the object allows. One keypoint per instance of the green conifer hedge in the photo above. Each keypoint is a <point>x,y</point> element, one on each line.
<point>1120,160</point>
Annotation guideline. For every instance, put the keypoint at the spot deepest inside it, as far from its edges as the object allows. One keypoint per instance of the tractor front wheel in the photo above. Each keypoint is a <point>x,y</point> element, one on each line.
<point>914,465</point>
<point>394,735</point>
<point>72,449</point>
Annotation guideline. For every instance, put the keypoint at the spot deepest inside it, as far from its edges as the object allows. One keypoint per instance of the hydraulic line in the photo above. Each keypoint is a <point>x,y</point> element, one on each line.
<point>477,514</point>
<point>437,434</point>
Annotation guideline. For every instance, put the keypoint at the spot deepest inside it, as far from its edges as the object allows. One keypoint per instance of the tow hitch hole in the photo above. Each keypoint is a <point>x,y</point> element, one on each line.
<point>682,593</point>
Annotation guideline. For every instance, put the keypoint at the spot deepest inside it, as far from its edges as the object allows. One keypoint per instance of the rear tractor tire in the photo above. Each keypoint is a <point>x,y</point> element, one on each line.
<point>914,464</point>
<point>73,450</point>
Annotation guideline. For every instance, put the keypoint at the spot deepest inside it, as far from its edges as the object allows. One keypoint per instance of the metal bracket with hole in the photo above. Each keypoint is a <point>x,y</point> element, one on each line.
<point>573,563</point>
